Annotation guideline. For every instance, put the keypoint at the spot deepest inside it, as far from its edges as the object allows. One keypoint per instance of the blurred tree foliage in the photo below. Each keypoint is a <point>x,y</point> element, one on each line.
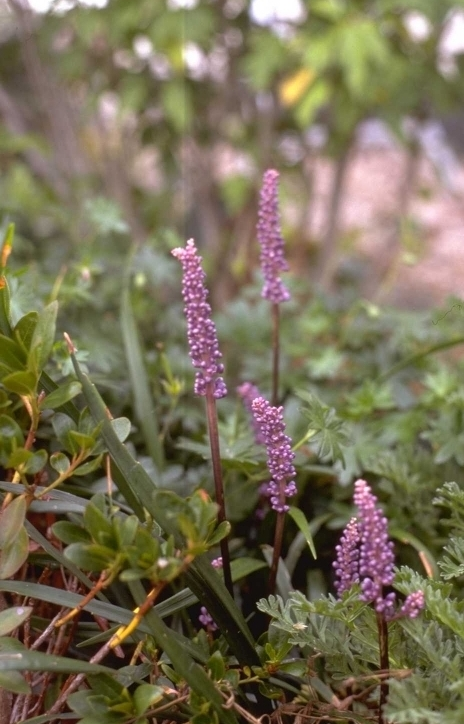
<point>122,121</point>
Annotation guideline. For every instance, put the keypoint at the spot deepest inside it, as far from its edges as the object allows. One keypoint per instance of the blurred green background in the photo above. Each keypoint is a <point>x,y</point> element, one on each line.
<point>135,125</point>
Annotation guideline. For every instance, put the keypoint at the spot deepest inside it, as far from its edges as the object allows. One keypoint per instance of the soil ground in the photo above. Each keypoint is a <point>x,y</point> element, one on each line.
<point>435,240</point>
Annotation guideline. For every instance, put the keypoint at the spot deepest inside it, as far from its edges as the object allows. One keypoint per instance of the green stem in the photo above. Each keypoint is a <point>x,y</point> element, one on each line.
<point>384,662</point>
<point>211,414</point>
<point>278,537</point>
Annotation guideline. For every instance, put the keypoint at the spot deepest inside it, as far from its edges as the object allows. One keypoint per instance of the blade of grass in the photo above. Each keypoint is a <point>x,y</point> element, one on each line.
<point>137,488</point>
<point>143,401</point>
<point>193,674</point>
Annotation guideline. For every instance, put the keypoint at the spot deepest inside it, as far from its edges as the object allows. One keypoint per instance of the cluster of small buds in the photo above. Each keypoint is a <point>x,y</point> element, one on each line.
<point>206,620</point>
<point>365,555</point>
<point>217,562</point>
<point>376,557</point>
<point>279,453</point>
<point>271,241</point>
<point>201,330</point>
<point>346,564</point>
<point>249,392</point>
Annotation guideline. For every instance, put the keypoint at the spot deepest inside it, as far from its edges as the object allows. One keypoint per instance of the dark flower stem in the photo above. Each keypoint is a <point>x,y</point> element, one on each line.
<point>275,353</point>
<point>278,537</point>
<point>382,627</point>
<point>211,414</point>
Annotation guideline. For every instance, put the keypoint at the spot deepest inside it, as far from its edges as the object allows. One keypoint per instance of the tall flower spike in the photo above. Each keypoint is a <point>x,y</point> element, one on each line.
<point>347,563</point>
<point>376,558</point>
<point>271,241</point>
<point>279,453</point>
<point>201,330</point>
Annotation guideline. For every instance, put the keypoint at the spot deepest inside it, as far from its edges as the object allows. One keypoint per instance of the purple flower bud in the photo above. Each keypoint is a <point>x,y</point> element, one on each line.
<point>206,620</point>
<point>279,453</point>
<point>413,604</point>
<point>249,392</point>
<point>271,241</point>
<point>201,330</point>
<point>217,562</point>
<point>347,563</point>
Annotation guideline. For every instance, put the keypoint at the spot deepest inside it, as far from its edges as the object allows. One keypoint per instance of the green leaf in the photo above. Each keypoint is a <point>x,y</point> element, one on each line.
<point>27,462</point>
<point>27,660</point>
<point>145,696</point>
<point>12,357</point>
<point>216,666</point>
<point>122,427</point>
<point>300,519</point>
<point>90,557</point>
<point>13,556</point>
<point>11,432</point>
<point>22,383</point>
<point>60,462</point>
<point>43,338</point>
<point>24,330</point>
<point>89,467</point>
<point>62,425</point>
<point>11,618</point>
<point>14,681</point>
<point>11,521</point>
<point>61,396</point>
<point>70,532</point>
<point>222,531</point>
<point>143,399</point>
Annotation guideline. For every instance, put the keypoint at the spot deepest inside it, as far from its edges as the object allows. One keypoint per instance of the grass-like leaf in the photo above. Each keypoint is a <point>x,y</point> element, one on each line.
<point>144,406</point>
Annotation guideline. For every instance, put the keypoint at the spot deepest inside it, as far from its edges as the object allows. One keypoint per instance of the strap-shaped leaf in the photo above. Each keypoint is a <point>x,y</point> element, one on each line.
<point>137,488</point>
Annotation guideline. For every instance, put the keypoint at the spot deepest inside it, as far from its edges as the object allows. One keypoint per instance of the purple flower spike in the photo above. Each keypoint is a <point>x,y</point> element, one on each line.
<point>376,558</point>
<point>201,330</point>
<point>279,453</point>
<point>365,555</point>
<point>249,392</point>
<point>271,241</point>
<point>347,564</point>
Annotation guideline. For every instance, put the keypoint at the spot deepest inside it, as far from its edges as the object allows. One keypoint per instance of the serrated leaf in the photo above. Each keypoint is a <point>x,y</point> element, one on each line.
<point>11,618</point>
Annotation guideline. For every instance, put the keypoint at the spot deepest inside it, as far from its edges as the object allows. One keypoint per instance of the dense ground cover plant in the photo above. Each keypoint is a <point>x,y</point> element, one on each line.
<point>117,607</point>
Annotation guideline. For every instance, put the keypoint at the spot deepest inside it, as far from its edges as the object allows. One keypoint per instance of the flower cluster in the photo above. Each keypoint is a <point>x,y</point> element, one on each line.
<point>271,241</point>
<point>365,555</point>
<point>201,330</point>
<point>249,392</point>
<point>279,453</point>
